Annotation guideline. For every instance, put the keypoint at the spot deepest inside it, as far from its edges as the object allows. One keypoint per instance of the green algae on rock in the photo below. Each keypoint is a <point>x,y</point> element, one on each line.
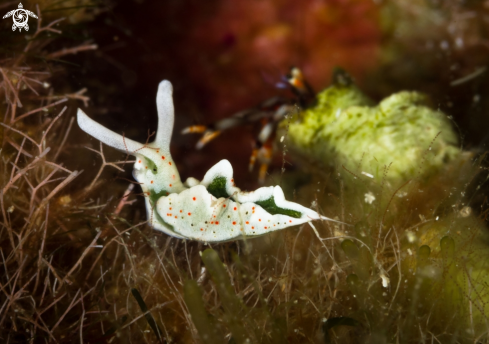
<point>346,128</point>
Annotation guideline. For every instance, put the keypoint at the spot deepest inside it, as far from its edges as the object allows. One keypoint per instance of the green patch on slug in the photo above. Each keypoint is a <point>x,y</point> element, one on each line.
<point>218,187</point>
<point>153,199</point>
<point>151,165</point>
<point>272,208</point>
<point>154,196</point>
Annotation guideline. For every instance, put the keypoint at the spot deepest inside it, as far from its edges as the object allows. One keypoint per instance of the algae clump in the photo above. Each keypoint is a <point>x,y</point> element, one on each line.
<point>346,128</point>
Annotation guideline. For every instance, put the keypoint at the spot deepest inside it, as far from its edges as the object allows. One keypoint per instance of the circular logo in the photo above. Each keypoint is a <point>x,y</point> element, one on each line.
<point>20,17</point>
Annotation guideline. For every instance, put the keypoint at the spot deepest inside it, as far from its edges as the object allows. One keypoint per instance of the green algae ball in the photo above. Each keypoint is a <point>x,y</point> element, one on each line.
<point>346,128</point>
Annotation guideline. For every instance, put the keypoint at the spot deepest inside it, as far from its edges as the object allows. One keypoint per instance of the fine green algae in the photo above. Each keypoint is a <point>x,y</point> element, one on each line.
<point>271,207</point>
<point>346,128</point>
<point>147,314</point>
<point>206,328</point>
<point>218,187</point>
<point>230,302</point>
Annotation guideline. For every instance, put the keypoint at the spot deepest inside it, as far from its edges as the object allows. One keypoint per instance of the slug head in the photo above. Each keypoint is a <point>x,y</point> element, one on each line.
<point>154,168</point>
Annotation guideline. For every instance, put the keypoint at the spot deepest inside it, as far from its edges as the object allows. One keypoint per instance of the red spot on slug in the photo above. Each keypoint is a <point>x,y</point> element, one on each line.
<point>189,214</point>
<point>194,198</point>
<point>139,161</point>
<point>151,182</point>
<point>265,227</point>
<point>234,222</point>
<point>169,163</point>
<point>247,222</point>
<point>235,208</point>
<point>259,220</point>
<point>201,229</point>
<point>224,206</point>
<point>170,185</point>
<point>162,157</point>
<point>217,222</point>
<point>181,210</point>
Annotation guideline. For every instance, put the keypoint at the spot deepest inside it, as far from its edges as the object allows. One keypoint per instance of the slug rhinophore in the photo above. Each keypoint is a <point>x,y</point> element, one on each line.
<point>212,210</point>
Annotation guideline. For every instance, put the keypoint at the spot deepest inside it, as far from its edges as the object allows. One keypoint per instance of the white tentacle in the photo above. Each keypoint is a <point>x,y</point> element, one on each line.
<point>105,135</point>
<point>166,117</point>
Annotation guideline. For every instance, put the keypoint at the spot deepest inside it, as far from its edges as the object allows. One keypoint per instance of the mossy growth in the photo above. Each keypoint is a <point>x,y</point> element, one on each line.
<point>346,128</point>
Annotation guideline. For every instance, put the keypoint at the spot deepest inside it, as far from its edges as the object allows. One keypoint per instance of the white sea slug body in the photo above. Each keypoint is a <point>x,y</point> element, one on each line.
<point>212,210</point>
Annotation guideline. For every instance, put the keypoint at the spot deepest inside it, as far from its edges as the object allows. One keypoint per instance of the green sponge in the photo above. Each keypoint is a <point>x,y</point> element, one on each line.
<point>346,128</point>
